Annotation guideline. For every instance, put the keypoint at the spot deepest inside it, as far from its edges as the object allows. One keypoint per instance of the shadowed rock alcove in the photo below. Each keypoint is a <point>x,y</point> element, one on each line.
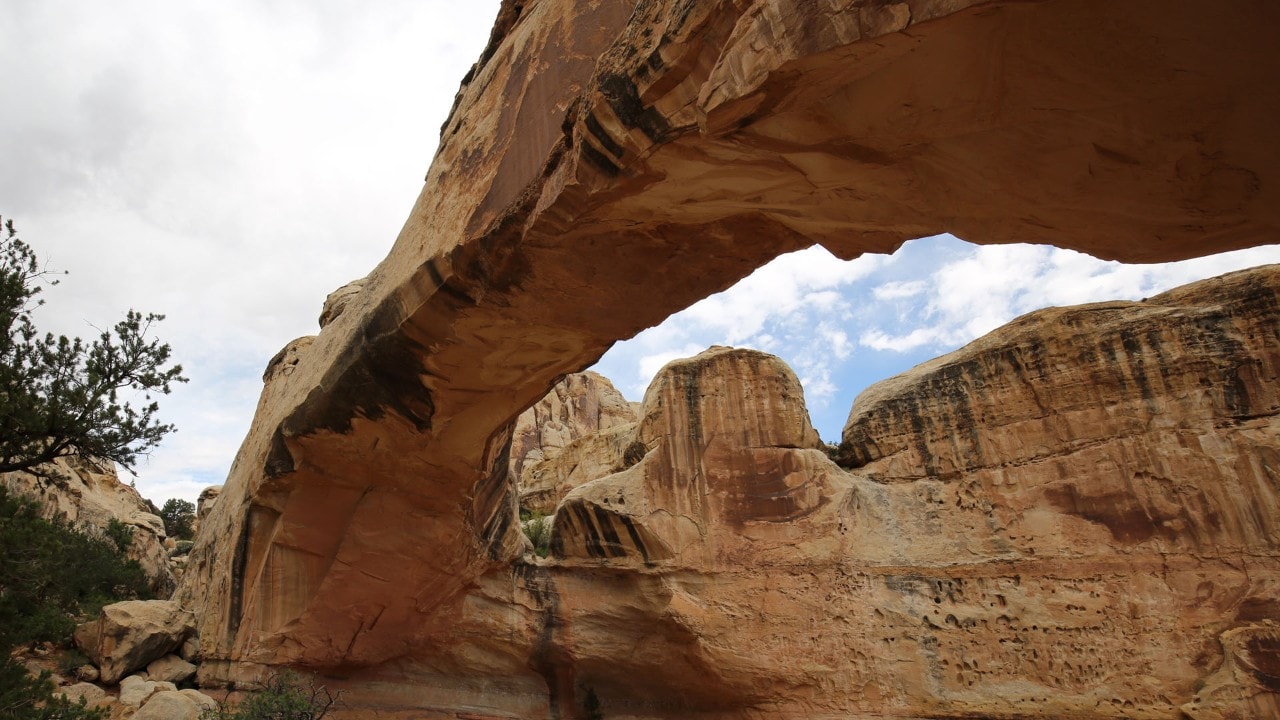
<point>607,164</point>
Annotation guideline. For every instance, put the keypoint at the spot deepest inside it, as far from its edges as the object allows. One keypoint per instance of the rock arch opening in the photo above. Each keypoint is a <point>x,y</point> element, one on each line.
<point>843,325</point>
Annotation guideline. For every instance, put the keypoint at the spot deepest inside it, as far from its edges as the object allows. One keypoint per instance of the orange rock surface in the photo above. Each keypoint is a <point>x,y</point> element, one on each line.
<point>610,162</point>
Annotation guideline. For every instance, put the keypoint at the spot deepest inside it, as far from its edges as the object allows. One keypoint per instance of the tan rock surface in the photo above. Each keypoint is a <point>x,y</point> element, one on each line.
<point>170,668</point>
<point>577,406</point>
<point>609,163</point>
<point>128,635</point>
<point>545,483</point>
<point>204,503</point>
<point>90,496</point>
<point>175,705</point>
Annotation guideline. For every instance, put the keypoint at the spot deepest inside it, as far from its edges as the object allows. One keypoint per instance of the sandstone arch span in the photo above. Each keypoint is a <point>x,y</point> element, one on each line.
<point>608,163</point>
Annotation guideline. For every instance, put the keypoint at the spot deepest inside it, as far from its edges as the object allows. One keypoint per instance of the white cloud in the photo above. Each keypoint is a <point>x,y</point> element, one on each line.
<point>226,164</point>
<point>880,340</point>
<point>990,285</point>
<point>898,289</point>
<point>791,307</point>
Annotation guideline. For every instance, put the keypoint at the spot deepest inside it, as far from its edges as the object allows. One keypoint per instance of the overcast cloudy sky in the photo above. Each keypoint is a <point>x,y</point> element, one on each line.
<point>229,164</point>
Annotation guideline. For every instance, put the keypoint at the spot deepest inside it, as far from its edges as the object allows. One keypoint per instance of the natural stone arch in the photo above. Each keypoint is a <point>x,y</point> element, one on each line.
<point>607,165</point>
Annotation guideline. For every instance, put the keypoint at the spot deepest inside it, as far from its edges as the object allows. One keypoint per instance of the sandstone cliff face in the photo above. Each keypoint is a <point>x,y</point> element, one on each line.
<point>89,496</point>
<point>1090,531</point>
<point>579,405</point>
<point>608,163</point>
<point>1077,515</point>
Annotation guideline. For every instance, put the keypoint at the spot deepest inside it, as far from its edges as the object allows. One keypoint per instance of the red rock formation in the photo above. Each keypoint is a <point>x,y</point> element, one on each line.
<point>608,163</point>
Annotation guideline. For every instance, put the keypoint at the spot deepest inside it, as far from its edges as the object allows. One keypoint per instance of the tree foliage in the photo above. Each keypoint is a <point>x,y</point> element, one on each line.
<point>179,518</point>
<point>50,577</point>
<point>23,697</point>
<point>537,527</point>
<point>62,396</point>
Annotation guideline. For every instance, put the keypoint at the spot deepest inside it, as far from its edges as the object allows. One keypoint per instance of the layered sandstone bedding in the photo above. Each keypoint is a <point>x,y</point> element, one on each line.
<point>1074,515</point>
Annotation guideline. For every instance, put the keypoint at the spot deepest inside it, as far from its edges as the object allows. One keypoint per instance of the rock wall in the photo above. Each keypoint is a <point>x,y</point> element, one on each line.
<point>90,496</point>
<point>579,405</point>
<point>609,163</point>
<point>1077,515</point>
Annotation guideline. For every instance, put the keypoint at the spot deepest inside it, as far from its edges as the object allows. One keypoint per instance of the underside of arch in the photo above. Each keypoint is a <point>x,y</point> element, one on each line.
<point>607,164</point>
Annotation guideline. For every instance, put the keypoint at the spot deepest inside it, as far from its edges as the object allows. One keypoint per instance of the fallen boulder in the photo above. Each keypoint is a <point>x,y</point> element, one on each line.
<point>170,668</point>
<point>175,705</point>
<point>128,635</point>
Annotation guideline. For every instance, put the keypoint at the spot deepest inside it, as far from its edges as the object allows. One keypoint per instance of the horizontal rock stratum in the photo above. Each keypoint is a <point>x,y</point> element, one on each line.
<point>608,163</point>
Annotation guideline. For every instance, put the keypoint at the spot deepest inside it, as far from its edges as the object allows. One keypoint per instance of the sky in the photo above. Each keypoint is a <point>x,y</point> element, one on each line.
<point>229,164</point>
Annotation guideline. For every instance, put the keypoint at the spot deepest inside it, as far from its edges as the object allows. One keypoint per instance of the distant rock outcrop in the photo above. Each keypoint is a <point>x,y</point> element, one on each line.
<point>579,405</point>
<point>89,496</point>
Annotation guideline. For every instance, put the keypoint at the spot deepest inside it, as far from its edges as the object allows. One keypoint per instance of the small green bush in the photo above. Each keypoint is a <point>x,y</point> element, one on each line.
<point>286,696</point>
<point>120,533</point>
<point>23,697</point>
<point>71,661</point>
<point>51,576</point>
<point>538,529</point>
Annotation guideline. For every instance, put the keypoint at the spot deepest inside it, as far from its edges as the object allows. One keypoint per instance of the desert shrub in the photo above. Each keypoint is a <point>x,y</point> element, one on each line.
<point>52,575</point>
<point>23,697</point>
<point>285,696</point>
<point>71,661</point>
<point>120,533</point>
<point>538,529</point>
<point>179,517</point>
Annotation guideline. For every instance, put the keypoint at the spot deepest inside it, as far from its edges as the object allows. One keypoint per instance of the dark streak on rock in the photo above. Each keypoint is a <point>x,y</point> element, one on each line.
<point>598,132</point>
<point>239,561</point>
<point>546,658</point>
<point>600,161</point>
<point>620,91</point>
<point>612,545</point>
<point>629,524</point>
<point>493,505</point>
<point>279,460</point>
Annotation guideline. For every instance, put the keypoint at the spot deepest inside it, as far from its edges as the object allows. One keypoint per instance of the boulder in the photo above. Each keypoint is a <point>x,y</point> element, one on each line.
<point>128,635</point>
<point>90,693</point>
<point>171,668</point>
<point>204,503</point>
<point>190,650</point>
<point>175,705</point>
<point>135,690</point>
<point>336,302</point>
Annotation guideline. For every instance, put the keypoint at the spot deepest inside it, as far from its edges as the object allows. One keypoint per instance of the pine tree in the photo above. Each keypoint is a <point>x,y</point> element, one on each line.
<point>62,396</point>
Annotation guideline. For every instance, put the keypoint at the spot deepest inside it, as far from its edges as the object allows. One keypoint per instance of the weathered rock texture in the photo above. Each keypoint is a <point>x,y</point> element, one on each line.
<point>1090,495</point>
<point>608,163</point>
<point>127,636</point>
<point>89,496</point>
<point>579,405</point>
